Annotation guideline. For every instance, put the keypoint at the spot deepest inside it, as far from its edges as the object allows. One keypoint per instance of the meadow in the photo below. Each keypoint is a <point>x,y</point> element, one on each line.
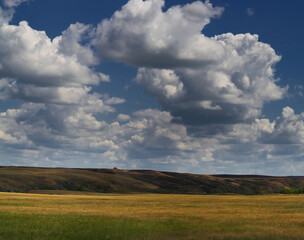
<point>150,216</point>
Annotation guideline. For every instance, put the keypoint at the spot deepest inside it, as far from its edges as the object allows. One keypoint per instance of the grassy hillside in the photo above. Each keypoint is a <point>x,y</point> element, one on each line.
<point>27,179</point>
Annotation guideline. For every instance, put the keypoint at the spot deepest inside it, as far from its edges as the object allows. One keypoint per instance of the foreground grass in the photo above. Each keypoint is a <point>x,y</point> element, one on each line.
<point>150,216</point>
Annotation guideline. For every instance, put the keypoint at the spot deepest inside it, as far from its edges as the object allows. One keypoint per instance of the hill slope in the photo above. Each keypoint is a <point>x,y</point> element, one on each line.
<point>27,179</point>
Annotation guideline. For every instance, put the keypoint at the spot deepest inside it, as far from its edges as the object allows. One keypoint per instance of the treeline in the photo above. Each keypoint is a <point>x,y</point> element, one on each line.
<point>292,190</point>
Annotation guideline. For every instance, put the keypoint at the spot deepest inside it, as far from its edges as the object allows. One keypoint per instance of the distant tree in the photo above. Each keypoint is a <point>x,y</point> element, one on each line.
<point>292,190</point>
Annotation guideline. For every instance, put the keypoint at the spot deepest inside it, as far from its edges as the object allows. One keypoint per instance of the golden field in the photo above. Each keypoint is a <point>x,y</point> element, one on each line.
<point>150,216</point>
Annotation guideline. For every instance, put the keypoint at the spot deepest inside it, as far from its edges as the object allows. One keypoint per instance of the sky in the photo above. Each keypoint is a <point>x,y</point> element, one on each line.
<point>205,87</point>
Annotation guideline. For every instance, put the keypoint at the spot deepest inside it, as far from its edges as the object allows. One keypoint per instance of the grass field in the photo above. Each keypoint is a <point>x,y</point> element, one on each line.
<point>151,216</point>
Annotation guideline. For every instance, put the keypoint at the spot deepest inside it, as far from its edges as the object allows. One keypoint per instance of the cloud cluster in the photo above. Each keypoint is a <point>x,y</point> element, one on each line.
<point>211,90</point>
<point>199,80</point>
<point>54,78</point>
<point>287,129</point>
<point>34,68</point>
<point>144,139</point>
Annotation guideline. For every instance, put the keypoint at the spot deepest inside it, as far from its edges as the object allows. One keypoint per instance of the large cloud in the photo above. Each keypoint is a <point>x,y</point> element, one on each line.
<point>142,34</point>
<point>224,79</point>
<point>31,57</point>
<point>35,68</point>
<point>231,90</point>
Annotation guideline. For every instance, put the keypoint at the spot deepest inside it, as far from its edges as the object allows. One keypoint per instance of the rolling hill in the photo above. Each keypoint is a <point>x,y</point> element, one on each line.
<point>29,179</point>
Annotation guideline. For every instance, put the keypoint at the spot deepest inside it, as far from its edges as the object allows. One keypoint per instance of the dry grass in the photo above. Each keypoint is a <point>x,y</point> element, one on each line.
<point>151,216</point>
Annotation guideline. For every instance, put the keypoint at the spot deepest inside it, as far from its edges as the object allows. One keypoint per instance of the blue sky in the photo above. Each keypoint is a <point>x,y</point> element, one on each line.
<point>190,86</point>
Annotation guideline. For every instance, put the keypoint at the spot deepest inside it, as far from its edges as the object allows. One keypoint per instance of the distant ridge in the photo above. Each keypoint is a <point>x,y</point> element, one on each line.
<point>31,179</point>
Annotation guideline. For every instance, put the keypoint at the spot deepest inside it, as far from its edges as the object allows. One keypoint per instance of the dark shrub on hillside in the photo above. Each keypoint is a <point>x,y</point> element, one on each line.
<point>292,190</point>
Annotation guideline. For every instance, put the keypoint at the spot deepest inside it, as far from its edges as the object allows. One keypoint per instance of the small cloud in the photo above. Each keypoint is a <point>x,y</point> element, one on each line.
<point>13,3</point>
<point>299,89</point>
<point>104,77</point>
<point>114,100</point>
<point>123,117</point>
<point>250,11</point>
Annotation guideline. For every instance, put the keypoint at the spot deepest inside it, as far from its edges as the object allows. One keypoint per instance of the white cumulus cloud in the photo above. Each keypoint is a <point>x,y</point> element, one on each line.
<point>142,34</point>
<point>198,79</point>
